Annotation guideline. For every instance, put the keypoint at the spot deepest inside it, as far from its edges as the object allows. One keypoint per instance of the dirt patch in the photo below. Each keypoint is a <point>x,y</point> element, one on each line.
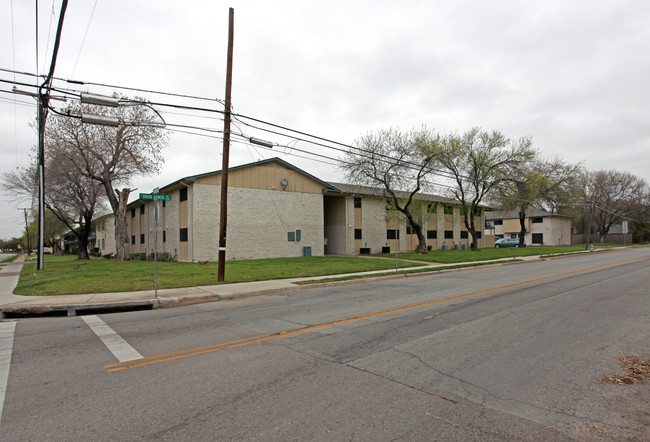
<point>637,371</point>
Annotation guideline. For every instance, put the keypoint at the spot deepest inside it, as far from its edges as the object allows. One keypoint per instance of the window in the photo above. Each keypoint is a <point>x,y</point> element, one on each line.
<point>478,234</point>
<point>538,238</point>
<point>183,194</point>
<point>464,234</point>
<point>291,236</point>
<point>103,244</point>
<point>133,213</point>
<point>432,234</point>
<point>357,202</point>
<point>498,222</point>
<point>183,234</point>
<point>298,234</point>
<point>391,234</point>
<point>164,203</point>
<point>409,230</point>
<point>164,235</point>
<point>432,207</point>
<point>449,210</point>
<point>449,234</point>
<point>538,220</point>
<point>142,237</point>
<point>132,239</point>
<point>357,233</point>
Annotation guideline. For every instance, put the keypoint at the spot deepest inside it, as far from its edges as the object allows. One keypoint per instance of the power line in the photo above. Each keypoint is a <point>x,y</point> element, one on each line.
<point>321,140</point>
<point>49,33</point>
<point>126,88</point>
<point>84,39</point>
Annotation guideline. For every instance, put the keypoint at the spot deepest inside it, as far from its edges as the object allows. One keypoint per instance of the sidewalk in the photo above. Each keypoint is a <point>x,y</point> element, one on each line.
<point>9,274</point>
<point>71,305</point>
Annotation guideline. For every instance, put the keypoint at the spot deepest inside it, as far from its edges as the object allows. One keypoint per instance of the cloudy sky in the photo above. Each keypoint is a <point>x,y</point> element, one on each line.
<point>572,74</point>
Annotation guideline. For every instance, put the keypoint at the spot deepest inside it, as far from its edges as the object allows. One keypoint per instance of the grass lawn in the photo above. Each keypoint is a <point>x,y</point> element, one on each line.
<point>68,277</point>
<point>455,256</point>
<point>9,260</point>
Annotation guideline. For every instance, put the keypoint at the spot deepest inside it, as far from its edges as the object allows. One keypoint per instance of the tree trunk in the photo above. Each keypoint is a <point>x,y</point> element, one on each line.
<point>422,240</point>
<point>470,225</point>
<point>122,244</point>
<point>474,239</point>
<point>83,234</point>
<point>82,253</point>
<point>522,231</point>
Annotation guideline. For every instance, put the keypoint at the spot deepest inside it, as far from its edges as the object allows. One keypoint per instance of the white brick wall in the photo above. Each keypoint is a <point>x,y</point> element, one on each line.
<point>258,223</point>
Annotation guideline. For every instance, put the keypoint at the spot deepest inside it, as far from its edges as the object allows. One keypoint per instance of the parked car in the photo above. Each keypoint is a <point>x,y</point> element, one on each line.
<point>507,242</point>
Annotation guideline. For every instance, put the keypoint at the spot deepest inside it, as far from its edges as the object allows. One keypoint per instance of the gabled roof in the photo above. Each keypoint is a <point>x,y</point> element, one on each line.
<point>354,189</point>
<point>514,214</point>
<point>192,178</point>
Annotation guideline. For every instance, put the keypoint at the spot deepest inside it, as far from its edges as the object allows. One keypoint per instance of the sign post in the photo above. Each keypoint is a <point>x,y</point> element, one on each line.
<point>155,196</point>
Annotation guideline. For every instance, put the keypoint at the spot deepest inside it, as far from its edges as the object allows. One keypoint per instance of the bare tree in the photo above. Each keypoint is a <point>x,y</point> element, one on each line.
<point>112,156</point>
<point>69,195</point>
<point>615,196</point>
<point>480,162</point>
<point>398,163</point>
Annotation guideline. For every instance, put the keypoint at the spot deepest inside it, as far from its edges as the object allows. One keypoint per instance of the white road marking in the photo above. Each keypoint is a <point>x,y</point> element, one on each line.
<point>7,330</point>
<point>115,343</point>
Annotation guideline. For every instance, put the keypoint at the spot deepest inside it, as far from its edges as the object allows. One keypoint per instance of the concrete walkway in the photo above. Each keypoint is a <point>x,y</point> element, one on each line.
<point>72,305</point>
<point>9,274</point>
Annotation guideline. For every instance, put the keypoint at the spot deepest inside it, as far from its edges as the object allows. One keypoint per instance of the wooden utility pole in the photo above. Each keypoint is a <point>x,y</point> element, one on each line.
<point>43,106</point>
<point>223,217</point>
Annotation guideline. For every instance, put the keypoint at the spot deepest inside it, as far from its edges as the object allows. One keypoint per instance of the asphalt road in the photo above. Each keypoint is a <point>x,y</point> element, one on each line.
<point>514,352</point>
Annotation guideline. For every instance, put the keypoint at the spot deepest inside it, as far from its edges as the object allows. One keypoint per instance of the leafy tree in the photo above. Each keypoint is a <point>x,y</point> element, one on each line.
<point>398,163</point>
<point>540,184</point>
<point>112,156</point>
<point>479,163</point>
<point>615,196</point>
<point>52,228</point>
<point>11,244</point>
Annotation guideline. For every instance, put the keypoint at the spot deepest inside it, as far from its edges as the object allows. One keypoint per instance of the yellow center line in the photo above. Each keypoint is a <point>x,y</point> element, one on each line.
<point>309,328</point>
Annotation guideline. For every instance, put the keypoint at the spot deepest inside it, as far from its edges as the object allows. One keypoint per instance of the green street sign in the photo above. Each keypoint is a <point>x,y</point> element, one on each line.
<point>155,196</point>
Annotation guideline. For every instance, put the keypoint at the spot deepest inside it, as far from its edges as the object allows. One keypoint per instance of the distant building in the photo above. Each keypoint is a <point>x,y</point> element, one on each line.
<point>542,227</point>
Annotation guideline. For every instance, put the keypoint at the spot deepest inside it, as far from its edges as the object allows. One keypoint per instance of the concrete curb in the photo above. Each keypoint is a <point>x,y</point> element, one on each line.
<point>411,275</point>
<point>74,309</point>
<point>169,298</point>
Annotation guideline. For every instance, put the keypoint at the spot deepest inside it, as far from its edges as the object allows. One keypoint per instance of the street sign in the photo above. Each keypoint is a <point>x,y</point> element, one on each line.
<point>155,196</point>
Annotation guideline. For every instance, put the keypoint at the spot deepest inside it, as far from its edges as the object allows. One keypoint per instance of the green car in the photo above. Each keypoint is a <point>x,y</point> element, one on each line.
<point>507,242</point>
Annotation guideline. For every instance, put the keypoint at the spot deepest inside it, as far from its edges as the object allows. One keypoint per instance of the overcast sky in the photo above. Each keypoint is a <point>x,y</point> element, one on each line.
<point>573,75</point>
